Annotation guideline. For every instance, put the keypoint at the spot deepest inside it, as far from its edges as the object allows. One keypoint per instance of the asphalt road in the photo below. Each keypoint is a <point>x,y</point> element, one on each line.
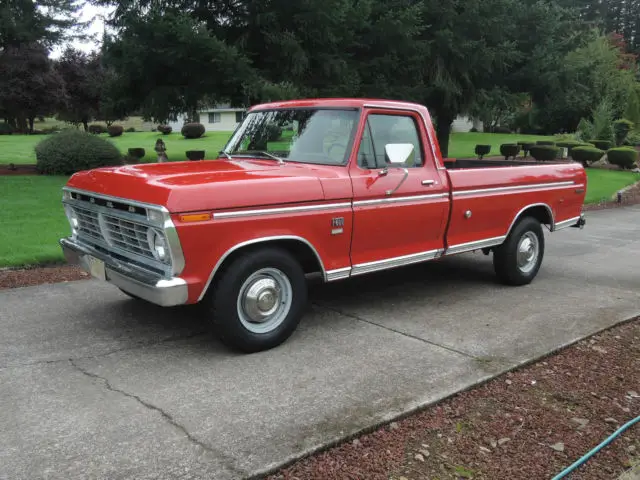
<point>94,385</point>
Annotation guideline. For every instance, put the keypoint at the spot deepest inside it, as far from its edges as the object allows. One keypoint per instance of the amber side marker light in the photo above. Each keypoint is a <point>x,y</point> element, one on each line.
<point>195,217</point>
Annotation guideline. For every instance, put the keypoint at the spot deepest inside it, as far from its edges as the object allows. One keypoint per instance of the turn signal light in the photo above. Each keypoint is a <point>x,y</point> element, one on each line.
<point>195,217</point>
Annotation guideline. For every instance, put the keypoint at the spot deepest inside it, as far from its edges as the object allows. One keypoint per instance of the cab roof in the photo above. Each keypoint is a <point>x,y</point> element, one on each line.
<point>337,103</point>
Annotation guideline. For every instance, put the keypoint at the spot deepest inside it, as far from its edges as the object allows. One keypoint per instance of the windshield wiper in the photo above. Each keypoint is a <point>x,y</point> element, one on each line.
<point>271,155</point>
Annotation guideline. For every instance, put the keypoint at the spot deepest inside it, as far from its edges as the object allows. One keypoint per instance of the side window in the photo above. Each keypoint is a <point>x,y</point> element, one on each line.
<point>384,129</point>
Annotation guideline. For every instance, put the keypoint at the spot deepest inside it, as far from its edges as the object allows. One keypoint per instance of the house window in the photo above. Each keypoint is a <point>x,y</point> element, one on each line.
<point>214,117</point>
<point>239,117</point>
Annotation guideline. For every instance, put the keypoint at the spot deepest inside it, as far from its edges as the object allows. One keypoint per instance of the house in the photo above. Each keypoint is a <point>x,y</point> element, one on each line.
<point>215,119</point>
<point>464,123</point>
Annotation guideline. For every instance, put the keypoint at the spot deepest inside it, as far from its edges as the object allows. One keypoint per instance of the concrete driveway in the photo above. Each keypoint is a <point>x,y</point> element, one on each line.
<point>94,385</point>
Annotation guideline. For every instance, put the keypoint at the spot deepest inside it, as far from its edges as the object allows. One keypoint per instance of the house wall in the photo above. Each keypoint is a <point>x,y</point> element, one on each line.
<point>227,122</point>
<point>463,124</point>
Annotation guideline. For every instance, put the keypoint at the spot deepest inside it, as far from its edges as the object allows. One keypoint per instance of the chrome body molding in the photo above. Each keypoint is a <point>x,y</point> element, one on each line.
<point>278,210</point>
<point>524,209</point>
<point>517,188</point>
<point>156,289</point>
<point>256,241</point>
<point>414,198</point>
<point>338,274</point>
<point>567,223</point>
<point>135,203</point>
<point>476,245</point>
<point>394,262</point>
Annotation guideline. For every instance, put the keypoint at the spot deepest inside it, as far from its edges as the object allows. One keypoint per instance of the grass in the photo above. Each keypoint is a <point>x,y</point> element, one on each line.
<point>32,219</point>
<point>602,184</point>
<point>19,149</point>
<point>464,144</point>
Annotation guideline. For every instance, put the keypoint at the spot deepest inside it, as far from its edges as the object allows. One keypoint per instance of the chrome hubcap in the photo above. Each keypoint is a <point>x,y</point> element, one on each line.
<point>264,300</point>
<point>528,251</point>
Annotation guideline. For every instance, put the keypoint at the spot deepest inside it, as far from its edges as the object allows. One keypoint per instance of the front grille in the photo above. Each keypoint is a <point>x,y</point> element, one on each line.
<point>113,231</point>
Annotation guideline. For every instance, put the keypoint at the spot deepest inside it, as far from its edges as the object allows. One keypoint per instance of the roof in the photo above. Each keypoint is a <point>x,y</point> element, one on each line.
<point>338,102</point>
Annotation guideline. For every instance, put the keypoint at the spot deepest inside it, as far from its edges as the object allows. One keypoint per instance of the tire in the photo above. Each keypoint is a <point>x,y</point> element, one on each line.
<point>241,321</point>
<point>526,235</point>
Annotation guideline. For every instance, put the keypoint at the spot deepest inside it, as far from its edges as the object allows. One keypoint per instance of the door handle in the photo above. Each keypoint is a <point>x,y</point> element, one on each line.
<point>428,182</point>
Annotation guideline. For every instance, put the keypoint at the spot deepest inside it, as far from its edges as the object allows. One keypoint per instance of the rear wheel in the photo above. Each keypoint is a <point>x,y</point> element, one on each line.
<point>517,261</point>
<point>258,300</point>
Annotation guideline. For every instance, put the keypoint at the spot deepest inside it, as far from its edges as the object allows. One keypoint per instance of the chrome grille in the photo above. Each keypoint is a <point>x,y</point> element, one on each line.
<point>113,231</point>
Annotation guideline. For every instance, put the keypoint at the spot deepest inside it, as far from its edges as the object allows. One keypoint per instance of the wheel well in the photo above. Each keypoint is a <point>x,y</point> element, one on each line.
<point>542,213</point>
<point>301,251</point>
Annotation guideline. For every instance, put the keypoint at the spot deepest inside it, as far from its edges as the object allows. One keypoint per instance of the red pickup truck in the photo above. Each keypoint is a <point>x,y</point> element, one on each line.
<point>341,187</point>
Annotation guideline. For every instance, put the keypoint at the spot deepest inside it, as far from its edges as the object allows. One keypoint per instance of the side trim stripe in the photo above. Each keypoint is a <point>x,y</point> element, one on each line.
<point>415,198</point>
<point>338,274</point>
<point>565,223</point>
<point>271,211</point>
<point>518,188</point>
<point>394,262</point>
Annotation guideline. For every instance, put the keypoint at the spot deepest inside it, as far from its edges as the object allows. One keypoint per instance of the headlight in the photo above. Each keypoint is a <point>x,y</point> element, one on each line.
<point>158,245</point>
<point>73,219</point>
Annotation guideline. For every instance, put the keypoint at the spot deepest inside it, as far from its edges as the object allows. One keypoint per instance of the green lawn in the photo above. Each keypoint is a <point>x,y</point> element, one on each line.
<point>602,184</point>
<point>19,149</point>
<point>32,218</point>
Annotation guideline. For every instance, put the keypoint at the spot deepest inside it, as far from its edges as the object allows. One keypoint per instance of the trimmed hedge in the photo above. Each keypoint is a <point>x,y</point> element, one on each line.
<point>130,130</point>
<point>97,129</point>
<point>195,154</point>
<point>586,155</point>
<point>526,147</point>
<point>544,152</point>
<point>137,152</point>
<point>192,130</point>
<point>509,150</point>
<point>624,157</point>
<point>165,129</point>
<point>545,142</point>
<point>274,132</point>
<point>482,150</point>
<point>71,151</point>
<point>115,130</point>
<point>601,144</point>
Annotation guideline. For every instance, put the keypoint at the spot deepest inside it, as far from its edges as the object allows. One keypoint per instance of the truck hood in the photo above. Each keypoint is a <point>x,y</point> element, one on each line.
<point>205,185</point>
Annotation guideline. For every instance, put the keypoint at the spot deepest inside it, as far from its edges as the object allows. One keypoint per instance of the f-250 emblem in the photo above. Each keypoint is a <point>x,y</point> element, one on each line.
<point>337,222</point>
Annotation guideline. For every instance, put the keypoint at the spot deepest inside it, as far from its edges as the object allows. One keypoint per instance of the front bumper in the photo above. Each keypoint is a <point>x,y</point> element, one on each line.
<point>165,292</point>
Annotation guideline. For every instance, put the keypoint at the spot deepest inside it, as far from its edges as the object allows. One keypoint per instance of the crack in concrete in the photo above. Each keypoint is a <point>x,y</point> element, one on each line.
<point>414,337</point>
<point>228,462</point>
<point>105,354</point>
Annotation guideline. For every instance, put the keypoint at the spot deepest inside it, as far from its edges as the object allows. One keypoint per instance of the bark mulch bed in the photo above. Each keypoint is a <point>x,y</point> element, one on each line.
<point>25,277</point>
<point>527,424</point>
<point>20,169</point>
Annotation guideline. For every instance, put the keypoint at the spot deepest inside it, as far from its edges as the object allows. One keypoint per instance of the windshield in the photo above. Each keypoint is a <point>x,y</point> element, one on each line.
<point>308,135</point>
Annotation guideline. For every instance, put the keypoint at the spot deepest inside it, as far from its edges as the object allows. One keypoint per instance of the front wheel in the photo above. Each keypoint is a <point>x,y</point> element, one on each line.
<point>517,261</point>
<point>258,300</point>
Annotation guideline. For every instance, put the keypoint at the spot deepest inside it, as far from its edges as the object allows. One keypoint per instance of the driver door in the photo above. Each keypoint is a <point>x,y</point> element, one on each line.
<point>400,209</point>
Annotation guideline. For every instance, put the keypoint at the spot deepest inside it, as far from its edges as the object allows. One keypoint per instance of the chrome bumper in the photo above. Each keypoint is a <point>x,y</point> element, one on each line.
<point>577,222</point>
<point>165,292</point>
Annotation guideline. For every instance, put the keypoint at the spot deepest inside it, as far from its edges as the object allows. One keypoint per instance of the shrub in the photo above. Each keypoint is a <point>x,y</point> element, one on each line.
<point>97,129</point>
<point>195,154</point>
<point>633,139</point>
<point>137,152</point>
<point>509,150</point>
<point>526,147</point>
<point>130,130</point>
<point>473,130</point>
<point>544,152</point>
<point>115,130</point>
<point>624,157</point>
<point>192,130</point>
<point>165,129</point>
<point>568,144</point>
<point>501,130</point>
<point>71,151</point>
<point>586,155</point>
<point>5,129</point>
<point>274,132</point>
<point>621,129</point>
<point>482,150</point>
<point>601,144</point>
<point>545,142</point>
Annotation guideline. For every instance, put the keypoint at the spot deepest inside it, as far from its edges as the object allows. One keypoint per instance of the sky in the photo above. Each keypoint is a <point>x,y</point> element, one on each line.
<point>95,29</point>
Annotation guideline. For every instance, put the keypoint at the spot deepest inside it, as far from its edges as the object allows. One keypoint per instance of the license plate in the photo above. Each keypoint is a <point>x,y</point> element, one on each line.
<point>96,267</point>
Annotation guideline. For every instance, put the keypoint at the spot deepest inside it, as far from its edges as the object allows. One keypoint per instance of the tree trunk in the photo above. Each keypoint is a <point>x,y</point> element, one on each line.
<point>85,124</point>
<point>443,131</point>
<point>31,120</point>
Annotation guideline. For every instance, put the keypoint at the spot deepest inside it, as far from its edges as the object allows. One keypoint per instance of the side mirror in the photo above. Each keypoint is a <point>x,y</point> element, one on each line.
<point>398,153</point>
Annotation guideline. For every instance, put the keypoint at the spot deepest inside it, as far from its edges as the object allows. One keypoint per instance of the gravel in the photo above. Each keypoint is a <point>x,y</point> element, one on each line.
<point>509,430</point>
<point>36,276</point>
